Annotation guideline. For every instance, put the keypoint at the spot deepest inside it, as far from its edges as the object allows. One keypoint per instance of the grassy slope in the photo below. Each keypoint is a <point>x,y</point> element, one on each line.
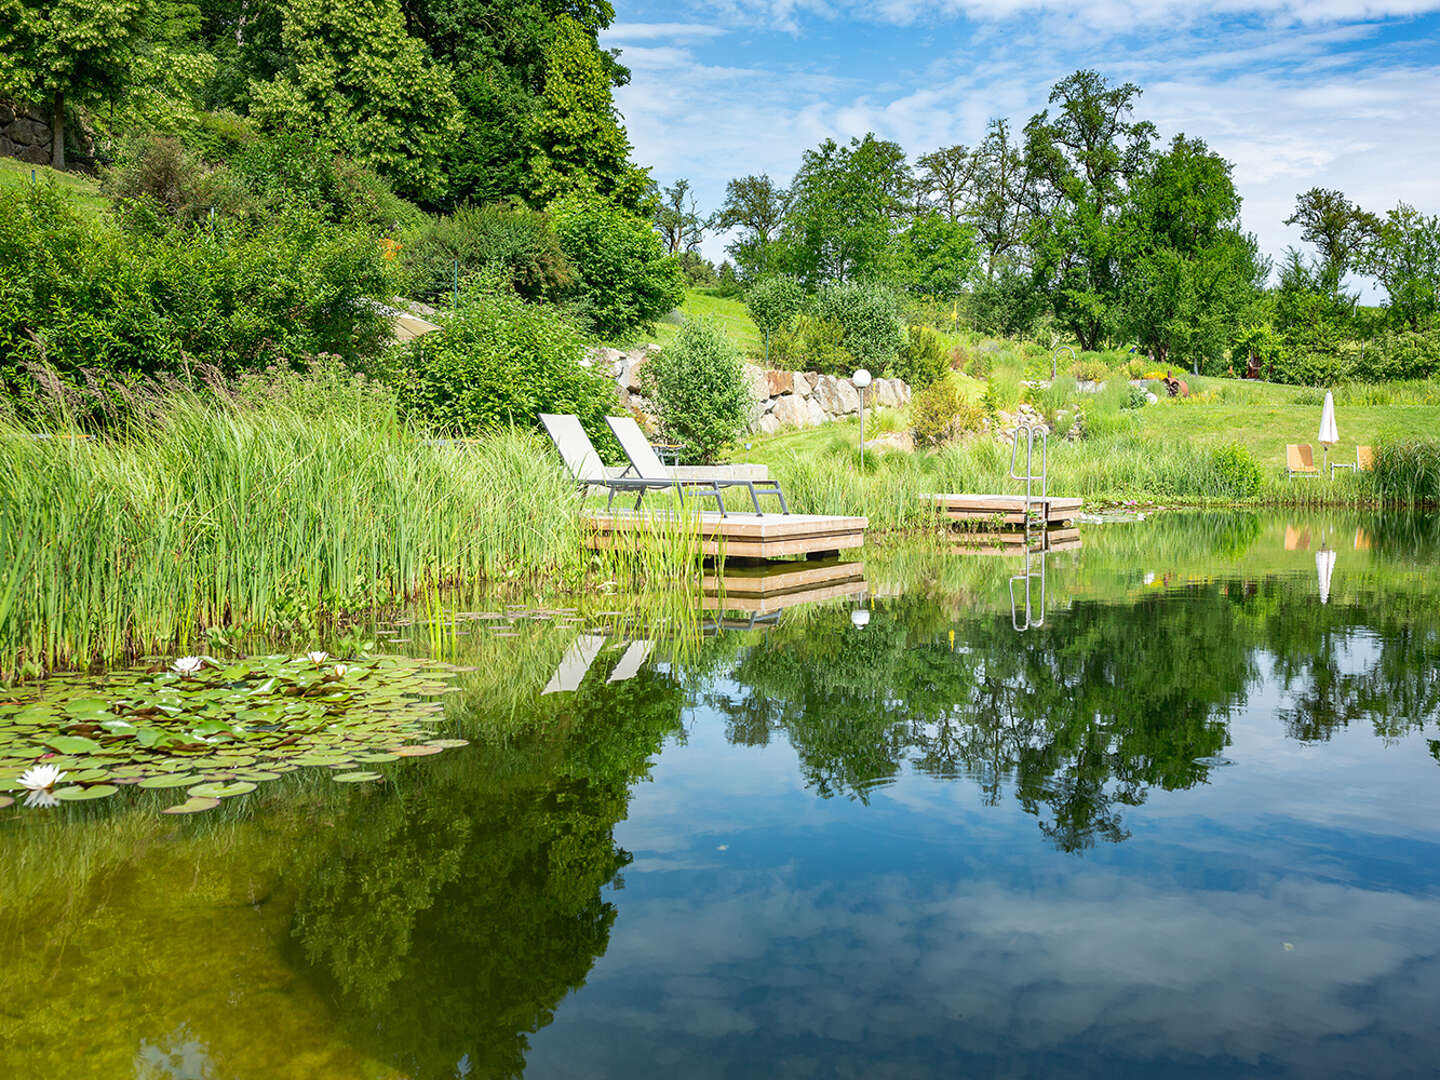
<point>83,189</point>
<point>730,314</point>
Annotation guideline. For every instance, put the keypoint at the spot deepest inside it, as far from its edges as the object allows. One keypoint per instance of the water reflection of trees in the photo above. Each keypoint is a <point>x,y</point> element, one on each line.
<point>1084,716</point>
<point>449,921</point>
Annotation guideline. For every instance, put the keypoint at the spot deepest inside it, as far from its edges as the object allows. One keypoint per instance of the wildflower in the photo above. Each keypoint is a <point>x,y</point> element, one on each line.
<point>41,777</point>
<point>317,657</point>
<point>186,666</point>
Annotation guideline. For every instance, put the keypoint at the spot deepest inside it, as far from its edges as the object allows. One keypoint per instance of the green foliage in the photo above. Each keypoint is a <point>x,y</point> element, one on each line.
<point>1003,388</point>
<point>812,344</point>
<point>160,169</point>
<point>1089,370</point>
<point>1403,254</point>
<point>1405,354</point>
<point>520,242</point>
<point>1008,304</point>
<point>940,412</point>
<point>936,257</point>
<point>352,75</point>
<point>756,207</point>
<point>498,361</point>
<point>773,303</point>
<point>1337,227</point>
<point>1234,473</point>
<point>843,210</point>
<point>101,306</point>
<point>1408,469</point>
<point>699,387</point>
<point>578,145</point>
<point>922,361</point>
<point>624,280</point>
<point>67,52</point>
<point>869,314</point>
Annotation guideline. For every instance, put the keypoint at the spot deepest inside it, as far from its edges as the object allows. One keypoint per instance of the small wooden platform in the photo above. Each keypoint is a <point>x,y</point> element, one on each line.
<point>1014,542</point>
<point>760,536</point>
<point>762,590</point>
<point>1005,509</point>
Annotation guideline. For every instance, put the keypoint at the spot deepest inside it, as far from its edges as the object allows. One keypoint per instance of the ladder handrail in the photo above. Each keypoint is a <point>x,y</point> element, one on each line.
<point>1031,623</point>
<point>1030,477</point>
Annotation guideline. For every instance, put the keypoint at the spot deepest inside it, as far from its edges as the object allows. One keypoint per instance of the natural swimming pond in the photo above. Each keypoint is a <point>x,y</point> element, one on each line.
<point>1180,816</point>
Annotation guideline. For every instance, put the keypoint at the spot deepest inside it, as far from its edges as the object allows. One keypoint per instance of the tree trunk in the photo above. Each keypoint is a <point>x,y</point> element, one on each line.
<point>57,132</point>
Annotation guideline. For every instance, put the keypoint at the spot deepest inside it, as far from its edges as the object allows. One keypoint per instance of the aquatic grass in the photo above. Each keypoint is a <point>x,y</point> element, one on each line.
<point>1407,469</point>
<point>265,511</point>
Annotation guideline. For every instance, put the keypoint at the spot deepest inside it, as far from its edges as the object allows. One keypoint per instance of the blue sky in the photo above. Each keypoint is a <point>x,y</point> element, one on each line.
<point>1335,93</point>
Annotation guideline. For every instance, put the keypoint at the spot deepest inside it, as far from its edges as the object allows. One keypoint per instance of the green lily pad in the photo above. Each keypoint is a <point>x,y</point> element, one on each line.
<point>221,791</point>
<point>192,806</point>
<point>417,750</point>
<point>449,744</point>
<point>376,759</point>
<point>357,777</point>
<point>169,780</point>
<point>80,794</point>
<point>72,744</point>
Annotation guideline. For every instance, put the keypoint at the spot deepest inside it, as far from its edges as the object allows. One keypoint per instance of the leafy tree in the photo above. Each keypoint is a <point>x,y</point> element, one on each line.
<point>846,205</point>
<point>755,206</point>
<point>937,256</point>
<point>624,281</point>
<point>678,219</point>
<point>577,143</point>
<point>1338,228</point>
<point>1190,275</point>
<point>1082,161</point>
<point>1403,254</point>
<point>520,241</point>
<point>1002,197</point>
<point>946,180</point>
<point>57,53</point>
<point>773,303</point>
<point>698,384</point>
<point>355,76</point>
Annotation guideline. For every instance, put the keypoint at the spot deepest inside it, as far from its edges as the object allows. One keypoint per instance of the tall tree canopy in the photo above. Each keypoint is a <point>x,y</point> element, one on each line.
<point>755,206</point>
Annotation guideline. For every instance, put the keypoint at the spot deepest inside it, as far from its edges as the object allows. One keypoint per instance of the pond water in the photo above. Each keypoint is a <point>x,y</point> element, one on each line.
<point>1180,817</point>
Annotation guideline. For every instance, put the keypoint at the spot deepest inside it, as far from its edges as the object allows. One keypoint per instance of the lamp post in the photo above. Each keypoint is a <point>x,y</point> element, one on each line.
<point>861,379</point>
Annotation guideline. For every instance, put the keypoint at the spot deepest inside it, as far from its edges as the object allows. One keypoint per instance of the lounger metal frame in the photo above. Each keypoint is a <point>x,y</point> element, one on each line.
<point>651,470</point>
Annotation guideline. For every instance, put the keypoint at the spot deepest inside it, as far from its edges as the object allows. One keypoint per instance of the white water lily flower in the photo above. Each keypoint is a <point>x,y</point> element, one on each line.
<point>41,777</point>
<point>317,658</point>
<point>340,670</point>
<point>41,798</point>
<point>186,666</point>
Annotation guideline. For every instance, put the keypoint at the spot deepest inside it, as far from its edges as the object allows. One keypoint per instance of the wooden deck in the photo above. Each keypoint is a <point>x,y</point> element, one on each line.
<point>1004,509</point>
<point>1014,542</point>
<point>763,590</point>
<point>759,536</point>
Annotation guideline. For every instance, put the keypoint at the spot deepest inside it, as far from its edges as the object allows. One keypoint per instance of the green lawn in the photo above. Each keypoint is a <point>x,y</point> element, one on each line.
<point>84,190</point>
<point>729,313</point>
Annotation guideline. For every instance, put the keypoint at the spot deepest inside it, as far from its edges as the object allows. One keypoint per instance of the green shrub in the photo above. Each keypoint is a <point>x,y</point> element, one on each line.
<point>1089,371</point>
<point>698,384</point>
<point>1003,388</point>
<point>498,361</point>
<point>869,315</point>
<point>812,344</point>
<point>1233,473</point>
<point>519,241</point>
<point>1407,469</point>
<point>940,412</point>
<point>922,360</point>
<point>103,306</point>
<point>1406,354</point>
<point>624,281</point>
<point>178,182</point>
<point>773,304</point>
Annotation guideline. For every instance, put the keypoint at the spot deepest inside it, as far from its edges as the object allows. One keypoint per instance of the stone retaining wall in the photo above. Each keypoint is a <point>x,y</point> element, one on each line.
<point>24,134</point>
<point>780,399</point>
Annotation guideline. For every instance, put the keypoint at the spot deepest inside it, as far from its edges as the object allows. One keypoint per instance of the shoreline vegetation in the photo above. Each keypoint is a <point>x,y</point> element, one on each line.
<point>291,503</point>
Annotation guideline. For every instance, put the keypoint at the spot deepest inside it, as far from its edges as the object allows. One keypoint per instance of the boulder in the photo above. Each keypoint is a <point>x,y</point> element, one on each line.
<point>33,155</point>
<point>902,391</point>
<point>790,411</point>
<point>768,425</point>
<point>7,113</point>
<point>816,411</point>
<point>780,382</point>
<point>756,379</point>
<point>631,379</point>
<point>883,393</point>
<point>801,384</point>
<point>902,441</point>
<point>838,397</point>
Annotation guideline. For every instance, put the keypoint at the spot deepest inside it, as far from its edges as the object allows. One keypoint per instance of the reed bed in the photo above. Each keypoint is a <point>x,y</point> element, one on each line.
<point>263,513</point>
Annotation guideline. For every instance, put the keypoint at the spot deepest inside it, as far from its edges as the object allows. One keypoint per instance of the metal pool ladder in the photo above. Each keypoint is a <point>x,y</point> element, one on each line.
<point>1030,476</point>
<point>1032,621</point>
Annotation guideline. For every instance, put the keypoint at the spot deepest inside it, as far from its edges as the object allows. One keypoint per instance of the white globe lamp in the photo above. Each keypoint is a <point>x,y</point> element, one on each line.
<point>861,379</point>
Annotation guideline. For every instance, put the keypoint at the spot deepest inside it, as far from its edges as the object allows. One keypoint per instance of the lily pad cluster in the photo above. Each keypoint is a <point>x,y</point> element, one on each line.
<point>215,730</point>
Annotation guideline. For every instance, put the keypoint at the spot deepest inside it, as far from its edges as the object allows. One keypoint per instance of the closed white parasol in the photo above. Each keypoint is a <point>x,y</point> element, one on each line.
<point>1329,433</point>
<point>1324,567</point>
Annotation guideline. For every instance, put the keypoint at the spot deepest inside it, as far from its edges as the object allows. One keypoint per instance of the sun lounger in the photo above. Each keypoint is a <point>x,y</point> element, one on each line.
<point>1364,461</point>
<point>588,470</point>
<point>1300,461</point>
<point>648,466</point>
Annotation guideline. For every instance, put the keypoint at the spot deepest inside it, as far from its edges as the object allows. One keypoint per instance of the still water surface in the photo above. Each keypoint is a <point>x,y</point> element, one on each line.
<point>1188,825</point>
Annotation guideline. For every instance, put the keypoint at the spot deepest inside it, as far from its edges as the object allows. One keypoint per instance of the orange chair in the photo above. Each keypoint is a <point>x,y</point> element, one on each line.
<point>1300,461</point>
<point>1364,461</point>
